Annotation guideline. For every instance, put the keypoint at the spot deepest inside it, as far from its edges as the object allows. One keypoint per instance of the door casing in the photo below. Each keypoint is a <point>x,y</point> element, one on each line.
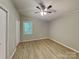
<point>6,29</point>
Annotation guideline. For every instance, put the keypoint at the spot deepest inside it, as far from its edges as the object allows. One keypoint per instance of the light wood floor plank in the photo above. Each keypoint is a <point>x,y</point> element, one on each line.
<point>43,49</point>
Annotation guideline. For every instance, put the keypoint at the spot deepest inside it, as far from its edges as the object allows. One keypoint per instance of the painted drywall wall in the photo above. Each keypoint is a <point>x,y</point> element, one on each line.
<point>65,29</point>
<point>12,17</point>
<point>17,31</point>
<point>39,29</point>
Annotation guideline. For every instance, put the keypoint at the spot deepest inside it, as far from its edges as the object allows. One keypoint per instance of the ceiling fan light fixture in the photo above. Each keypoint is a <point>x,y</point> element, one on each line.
<point>43,13</point>
<point>44,10</point>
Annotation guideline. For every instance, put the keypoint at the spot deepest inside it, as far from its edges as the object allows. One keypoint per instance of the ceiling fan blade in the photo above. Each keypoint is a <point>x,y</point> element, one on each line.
<point>37,12</point>
<point>50,6</point>
<point>53,10</point>
<point>38,7</point>
<point>49,12</point>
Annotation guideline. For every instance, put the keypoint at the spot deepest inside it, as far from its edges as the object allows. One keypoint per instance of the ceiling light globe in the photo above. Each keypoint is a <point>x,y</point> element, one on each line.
<point>45,13</point>
<point>42,13</point>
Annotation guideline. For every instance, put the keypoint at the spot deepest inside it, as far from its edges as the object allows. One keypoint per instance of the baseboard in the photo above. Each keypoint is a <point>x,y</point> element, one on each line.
<point>13,53</point>
<point>34,39</point>
<point>64,45</point>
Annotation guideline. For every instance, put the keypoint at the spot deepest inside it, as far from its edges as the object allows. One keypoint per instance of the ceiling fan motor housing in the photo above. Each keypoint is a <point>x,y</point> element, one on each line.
<point>42,6</point>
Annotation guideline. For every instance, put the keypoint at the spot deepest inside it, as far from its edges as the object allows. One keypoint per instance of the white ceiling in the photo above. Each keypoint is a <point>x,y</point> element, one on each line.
<point>28,7</point>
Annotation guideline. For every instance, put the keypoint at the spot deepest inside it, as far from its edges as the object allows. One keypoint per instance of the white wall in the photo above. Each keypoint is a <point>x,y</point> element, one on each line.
<point>66,29</point>
<point>40,29</point>
<point>17,31</point>
<point>13,16</point>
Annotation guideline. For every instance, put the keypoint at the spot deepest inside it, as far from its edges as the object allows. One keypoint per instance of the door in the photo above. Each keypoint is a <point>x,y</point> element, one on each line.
<point>3,37</point>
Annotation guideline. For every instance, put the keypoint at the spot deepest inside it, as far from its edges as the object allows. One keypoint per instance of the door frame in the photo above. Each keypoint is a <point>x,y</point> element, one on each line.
<point>1,7</point>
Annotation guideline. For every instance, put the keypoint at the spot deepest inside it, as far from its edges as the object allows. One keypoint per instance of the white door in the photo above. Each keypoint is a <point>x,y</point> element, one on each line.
<point>2,34</point>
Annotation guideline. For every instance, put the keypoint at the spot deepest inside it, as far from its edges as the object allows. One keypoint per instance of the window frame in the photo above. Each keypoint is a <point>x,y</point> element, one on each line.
<point>30,31</point>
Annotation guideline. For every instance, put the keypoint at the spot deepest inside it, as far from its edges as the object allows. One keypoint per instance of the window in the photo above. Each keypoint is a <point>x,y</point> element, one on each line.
<point>27,27</point>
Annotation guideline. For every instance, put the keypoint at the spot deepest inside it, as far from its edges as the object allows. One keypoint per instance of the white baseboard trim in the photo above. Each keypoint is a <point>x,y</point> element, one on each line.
<point>13,53</point>
<point>64,45</point>
<point>33,39</point>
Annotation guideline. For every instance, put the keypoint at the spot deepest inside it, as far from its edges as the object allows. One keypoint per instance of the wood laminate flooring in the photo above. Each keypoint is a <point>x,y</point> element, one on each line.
<point>43,49</point>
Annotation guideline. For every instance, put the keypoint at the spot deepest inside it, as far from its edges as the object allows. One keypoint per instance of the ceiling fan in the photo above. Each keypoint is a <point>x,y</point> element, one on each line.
<point>44,10</point>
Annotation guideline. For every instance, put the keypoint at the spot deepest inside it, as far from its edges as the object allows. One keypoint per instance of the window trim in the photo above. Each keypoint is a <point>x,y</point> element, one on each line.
<point>24,29</point>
